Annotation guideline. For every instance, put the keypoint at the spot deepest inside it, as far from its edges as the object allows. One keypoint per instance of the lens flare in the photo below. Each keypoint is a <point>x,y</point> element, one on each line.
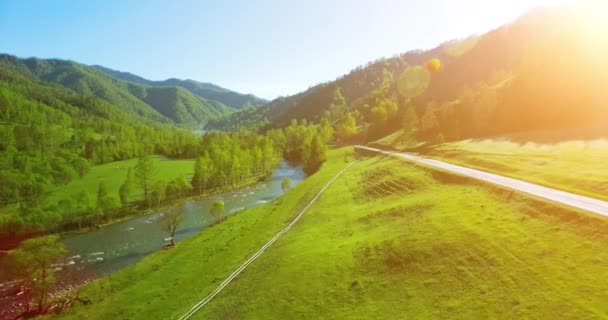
<point>413,82</point>
<point>433,65</point>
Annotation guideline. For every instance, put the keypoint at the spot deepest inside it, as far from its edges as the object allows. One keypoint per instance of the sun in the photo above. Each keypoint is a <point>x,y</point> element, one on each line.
<point>592,16</point>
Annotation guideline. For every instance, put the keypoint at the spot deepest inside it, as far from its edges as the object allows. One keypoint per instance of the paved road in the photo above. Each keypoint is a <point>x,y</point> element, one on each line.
<point>573,200</point>
<point>240,269</point>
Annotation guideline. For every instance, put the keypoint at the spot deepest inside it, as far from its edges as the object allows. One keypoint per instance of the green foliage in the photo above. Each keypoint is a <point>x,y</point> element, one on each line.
<point>51,136</point>
<point>170,220</point>
<point>286,184</point>
<point>203,171</point>
<point>158,194</point>
<point>217,210</point>
<point>410,121</point>
<point>347,130</point>
<point>326,130</point>
<point>182,106</point>
<point>126,189</point>
<point>165,104</point>
<point>337,109</point>
<point>206,91</point>
<point>144,172</point>
<point>178,188</point>
<point>302,142</point>
<point>508,80</point>
<point>250,118</point>
<point>33,263</point>
<point>368,244</point>
<point>315,156</point>
<point>105,202</point>
<point>227,160</point>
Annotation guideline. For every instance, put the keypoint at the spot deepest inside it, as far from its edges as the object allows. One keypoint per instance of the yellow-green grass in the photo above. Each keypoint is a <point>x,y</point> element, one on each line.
<point>575,166</point>
<point>114,174</point>
<point>167,283</point>
<point>399,140</point>
<point>388,240</point>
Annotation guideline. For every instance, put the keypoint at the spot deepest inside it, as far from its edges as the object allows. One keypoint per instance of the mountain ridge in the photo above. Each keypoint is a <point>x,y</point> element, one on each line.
<point>141,100</point>
<point>204,90</point>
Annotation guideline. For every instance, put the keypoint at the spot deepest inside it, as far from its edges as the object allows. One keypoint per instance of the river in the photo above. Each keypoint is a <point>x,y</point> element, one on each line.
<point>106,250</point>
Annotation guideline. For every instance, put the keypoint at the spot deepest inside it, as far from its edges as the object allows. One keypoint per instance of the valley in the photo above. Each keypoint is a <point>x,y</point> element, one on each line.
<point>403,236</point>
<point>465,180</point>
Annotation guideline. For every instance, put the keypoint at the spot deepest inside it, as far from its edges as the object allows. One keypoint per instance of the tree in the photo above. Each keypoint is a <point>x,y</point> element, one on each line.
<point>158,193</point>
<point>177,188</point>
<point>105,202</point>
<point>347,128</point>
<point>379,115</point>
<point>144,171</point>
<point>429,125</point>
<point>170,221</point>
<point>82,205</point>
<point>410,120</point>
<point>337,109</point>
<point>126,189</point>
<point>326,131</point>
<point>316,156</point>
<point>201,174</point>
<point>286,184</point>
<point>32,262</point>
<point>217,209</point>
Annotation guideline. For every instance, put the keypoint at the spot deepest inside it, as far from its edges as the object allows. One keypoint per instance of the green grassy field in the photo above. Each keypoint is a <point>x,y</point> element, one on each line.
<point>574,166</point>
<point>114,175</point>
<point>387,240</point>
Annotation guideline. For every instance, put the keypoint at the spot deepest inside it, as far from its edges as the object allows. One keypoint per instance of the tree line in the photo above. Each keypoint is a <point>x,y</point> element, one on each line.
<point>222,161</point>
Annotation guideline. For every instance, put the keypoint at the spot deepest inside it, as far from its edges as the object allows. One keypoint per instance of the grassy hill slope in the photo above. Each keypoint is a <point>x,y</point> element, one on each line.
<point>577,166</point>
<point>387,240</point>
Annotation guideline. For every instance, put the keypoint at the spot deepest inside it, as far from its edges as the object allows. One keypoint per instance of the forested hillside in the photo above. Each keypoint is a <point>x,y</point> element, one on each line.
<point>166,105</point>
<point>208,91</point>
<point>180,105</point>
<point>51,136</point>
<point>544,71</point>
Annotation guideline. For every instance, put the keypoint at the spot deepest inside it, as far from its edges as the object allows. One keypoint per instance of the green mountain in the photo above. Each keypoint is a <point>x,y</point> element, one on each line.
<point>50,135</point>
<point>208,91</point>
<point>181,105</point>
<point>165,105</point>
<point>487,85</point>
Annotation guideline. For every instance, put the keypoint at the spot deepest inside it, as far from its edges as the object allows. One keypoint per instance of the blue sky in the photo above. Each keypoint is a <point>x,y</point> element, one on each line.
<point>268,48</point>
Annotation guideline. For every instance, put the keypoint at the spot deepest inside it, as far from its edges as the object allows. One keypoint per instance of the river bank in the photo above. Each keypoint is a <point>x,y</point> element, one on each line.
<point>100,252</point>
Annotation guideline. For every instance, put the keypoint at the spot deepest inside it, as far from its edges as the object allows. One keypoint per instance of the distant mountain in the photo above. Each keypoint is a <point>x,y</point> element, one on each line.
<point>181,105</point>
<point>208,91</point>
<point>165,105</point>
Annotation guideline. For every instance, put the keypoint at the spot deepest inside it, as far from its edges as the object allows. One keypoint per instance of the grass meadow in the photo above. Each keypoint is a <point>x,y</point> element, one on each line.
<point>388,240</point>
<point>575,166</point>
<point>113,174</point>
